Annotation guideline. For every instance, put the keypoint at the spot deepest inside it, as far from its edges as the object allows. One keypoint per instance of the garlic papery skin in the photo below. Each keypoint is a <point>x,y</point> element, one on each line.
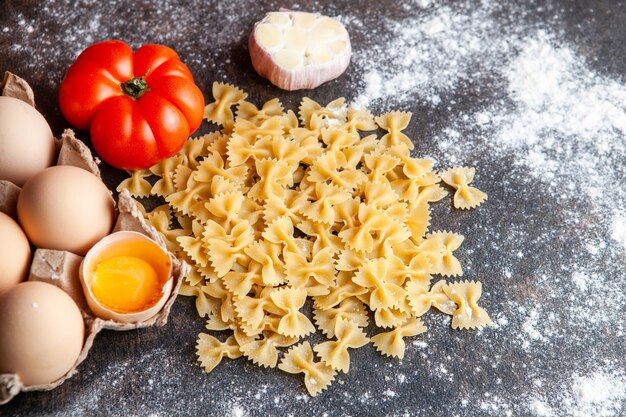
<point>299,50</point>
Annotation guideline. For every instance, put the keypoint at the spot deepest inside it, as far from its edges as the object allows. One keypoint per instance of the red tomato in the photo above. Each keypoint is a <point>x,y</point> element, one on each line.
<point>140,108</point>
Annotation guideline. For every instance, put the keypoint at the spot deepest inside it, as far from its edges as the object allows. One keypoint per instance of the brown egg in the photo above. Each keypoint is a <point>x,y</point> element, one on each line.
<point>42,332</point>
<point>65,208</point>
<point>26,142</point>
<point>14,253</point>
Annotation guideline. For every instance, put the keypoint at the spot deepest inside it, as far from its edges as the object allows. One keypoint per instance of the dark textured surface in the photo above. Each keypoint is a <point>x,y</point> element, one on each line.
<point>154,371</point>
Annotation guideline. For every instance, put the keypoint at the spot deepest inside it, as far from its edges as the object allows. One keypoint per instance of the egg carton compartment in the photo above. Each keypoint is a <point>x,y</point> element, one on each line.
<point>61,268</point>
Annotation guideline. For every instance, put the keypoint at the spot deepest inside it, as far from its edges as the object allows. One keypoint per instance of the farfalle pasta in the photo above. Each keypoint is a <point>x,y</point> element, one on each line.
<point>290,205</point>
<point>136,184</point>
<point>322,210</point>
<point>193,245</point>
<point>276,209</point>
<point>421,298</point>
<point>292,323</point>
<point>343,289</point>
<point>267,255</point>
<point>226,96</point>
<point>317,375</point>
<point>394,123</point>
<point>196,148</point>
<point>211,351</point>
<point>315,276</point>
<point>335,353</point>
<point>385,288</point>
<point>359,119</point>
<point>241,283</point>
<point>350,309</point>
<point>335,168</point>
<point>264,352</point>
<point>335,110</point>
<point>248,111</point>
<point>468,314</point>
<point>322,235</point>
<point>274,178</point>
<point>161,219</point>
<point>205,305</point>
<point>392,343</point>
<point>448,264</point>
<point>459,178</point>
<point>391,317</point>
<point>252,312</point>
<point>165,171</point>
<point>225,252</point>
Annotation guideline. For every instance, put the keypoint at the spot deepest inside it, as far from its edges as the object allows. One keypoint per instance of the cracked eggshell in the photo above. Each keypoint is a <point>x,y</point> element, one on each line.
<point>126,243</point>
<point>299,50</point>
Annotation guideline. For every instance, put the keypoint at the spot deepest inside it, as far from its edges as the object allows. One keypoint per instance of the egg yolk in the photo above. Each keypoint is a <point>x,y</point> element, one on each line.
<point>125,284</point>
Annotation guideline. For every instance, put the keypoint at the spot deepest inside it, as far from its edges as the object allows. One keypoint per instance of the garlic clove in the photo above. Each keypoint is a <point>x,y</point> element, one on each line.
<point>278,19</point>
<point>305,21</point>
<point>295,38</point>
<point>288,58</point>
<point>299,50</point>
<point>320,55</point>
<point>270,36</point>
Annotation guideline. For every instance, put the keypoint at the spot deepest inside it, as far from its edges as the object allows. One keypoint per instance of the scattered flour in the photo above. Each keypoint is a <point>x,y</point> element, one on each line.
<point>618,232</point>
<point>530,326</point>
<point>237,411</point>
<point>598,394</point>
<point>422,3</point>
<point>581,280</point>
<point>540,409</point>
<point>389,393</point>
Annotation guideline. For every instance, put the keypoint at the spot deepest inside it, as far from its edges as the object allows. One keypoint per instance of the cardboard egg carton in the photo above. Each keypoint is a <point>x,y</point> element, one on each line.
<point>61,268</point>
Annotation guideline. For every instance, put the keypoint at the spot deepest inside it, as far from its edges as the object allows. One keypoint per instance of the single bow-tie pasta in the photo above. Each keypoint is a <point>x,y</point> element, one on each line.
<point>299,50</point>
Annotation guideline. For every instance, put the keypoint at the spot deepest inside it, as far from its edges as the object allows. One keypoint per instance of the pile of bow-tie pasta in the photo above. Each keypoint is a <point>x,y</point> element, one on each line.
<point>275,209</point>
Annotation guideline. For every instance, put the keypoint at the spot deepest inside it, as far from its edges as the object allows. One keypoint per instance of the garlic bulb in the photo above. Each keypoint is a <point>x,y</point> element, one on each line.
<point>299,50</point>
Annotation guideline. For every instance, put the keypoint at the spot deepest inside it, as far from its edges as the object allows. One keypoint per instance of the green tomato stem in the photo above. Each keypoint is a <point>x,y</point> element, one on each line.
<point>135,87</point>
